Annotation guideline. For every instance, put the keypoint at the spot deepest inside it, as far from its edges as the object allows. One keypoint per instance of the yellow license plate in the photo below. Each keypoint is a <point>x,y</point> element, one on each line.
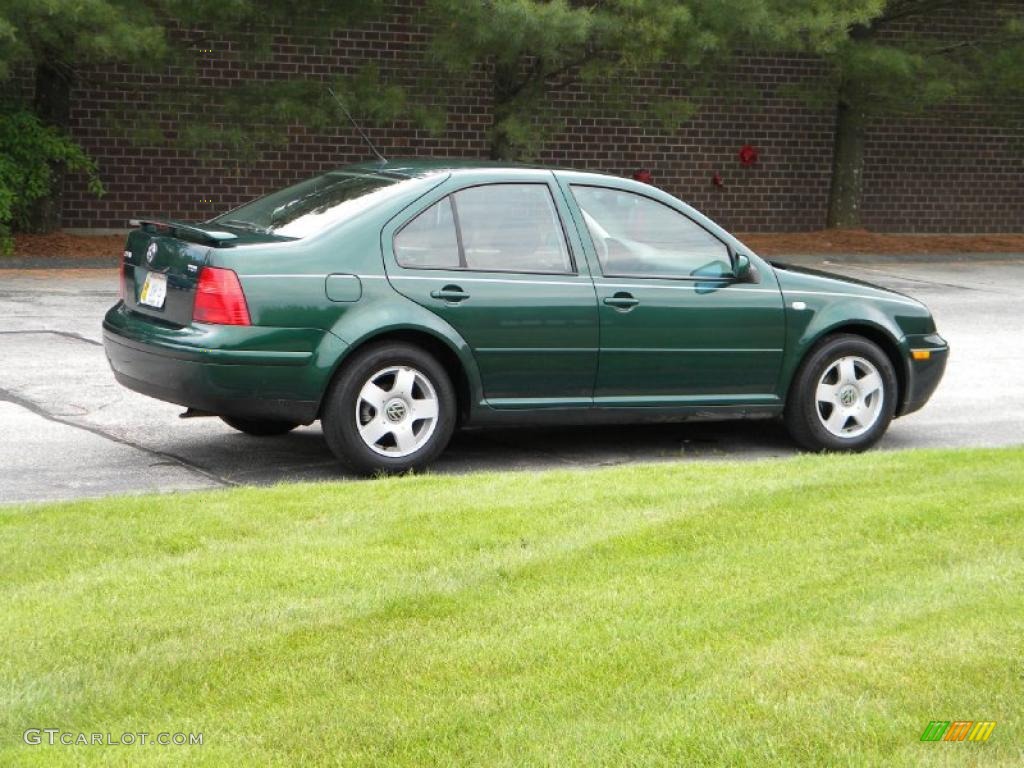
<point>154,290</point>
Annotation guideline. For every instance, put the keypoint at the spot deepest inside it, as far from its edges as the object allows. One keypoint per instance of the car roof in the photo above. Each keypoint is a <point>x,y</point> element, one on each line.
<point>412,167</point>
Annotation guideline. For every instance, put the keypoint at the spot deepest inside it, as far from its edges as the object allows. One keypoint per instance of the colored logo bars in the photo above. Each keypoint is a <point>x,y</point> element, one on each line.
<point>958,730</point>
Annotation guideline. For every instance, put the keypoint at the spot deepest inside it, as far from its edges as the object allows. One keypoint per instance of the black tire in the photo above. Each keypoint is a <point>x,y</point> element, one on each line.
<point>339,415</point>
<point>259,427</point>
<point>804,415</point>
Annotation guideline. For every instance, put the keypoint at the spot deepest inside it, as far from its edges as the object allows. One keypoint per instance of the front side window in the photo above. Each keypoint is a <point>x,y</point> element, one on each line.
<point>636,236</point>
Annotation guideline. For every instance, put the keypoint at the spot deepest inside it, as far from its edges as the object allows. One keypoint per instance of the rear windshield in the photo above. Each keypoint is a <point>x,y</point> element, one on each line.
<point>310,206</point>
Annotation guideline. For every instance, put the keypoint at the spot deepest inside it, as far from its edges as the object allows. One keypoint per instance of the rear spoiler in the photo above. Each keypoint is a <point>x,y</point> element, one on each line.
<point>183,231</point>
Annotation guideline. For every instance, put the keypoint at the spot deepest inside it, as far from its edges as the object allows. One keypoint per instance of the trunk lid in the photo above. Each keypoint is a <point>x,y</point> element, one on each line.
<point>162,261</point>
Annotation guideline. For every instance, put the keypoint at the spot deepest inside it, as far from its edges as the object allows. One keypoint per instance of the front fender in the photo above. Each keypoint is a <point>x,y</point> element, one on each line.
<point>819,318</point>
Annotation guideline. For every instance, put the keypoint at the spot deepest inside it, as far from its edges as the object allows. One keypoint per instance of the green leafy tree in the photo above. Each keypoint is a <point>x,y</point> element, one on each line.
<point>884,66</point>
<point>55,38</point>
<point>876,64</point>
<point>538,48</point>
<point>59,41</point>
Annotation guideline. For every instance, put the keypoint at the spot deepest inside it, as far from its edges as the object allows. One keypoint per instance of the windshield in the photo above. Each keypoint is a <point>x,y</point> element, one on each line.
<point>311,205</point>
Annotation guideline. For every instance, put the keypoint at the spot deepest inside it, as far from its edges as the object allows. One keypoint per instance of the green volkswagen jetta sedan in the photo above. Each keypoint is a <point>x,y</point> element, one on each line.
<point>396,301</point>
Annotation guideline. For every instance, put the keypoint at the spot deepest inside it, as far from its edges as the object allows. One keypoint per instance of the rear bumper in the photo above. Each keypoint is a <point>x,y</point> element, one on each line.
<point>253,372</point>
<point>923,376</point>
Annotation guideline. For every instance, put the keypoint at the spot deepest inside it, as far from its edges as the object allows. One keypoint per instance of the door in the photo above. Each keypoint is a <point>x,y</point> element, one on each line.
<point>676,327</point>
<point>494,261</point>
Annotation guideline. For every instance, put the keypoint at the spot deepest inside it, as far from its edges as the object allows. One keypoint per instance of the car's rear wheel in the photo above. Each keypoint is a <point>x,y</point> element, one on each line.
<point>392,409</point>
<point>843,397</point>
<point>259,427</point>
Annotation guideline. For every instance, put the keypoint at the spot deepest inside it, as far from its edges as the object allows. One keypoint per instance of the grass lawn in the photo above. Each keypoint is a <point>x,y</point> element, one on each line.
<point>816,610</point>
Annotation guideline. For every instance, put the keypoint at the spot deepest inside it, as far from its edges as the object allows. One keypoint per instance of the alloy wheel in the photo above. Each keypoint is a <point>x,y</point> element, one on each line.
<point>396,411</point>
<point>849,396</point>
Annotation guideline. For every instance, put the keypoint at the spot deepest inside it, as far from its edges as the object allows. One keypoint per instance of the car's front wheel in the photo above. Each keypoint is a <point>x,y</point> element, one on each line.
<point>843,396</point>
<point>392,409</point>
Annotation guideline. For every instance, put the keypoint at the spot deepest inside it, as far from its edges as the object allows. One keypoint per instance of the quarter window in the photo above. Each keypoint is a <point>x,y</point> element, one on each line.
<point>429,241</point>
<point>636,236</point>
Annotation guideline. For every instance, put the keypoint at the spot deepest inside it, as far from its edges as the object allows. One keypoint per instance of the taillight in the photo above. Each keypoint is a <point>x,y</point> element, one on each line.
<point>219,298</point>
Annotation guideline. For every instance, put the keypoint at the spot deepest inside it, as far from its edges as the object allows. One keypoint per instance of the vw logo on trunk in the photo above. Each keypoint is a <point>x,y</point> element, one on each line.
<point>151,252</point>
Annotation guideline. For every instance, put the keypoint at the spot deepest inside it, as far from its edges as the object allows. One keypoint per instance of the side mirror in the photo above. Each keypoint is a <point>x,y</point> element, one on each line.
<point>741,267</point>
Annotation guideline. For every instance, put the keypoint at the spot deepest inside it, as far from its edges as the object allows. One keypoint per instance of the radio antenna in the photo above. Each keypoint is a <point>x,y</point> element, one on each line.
<point>356,126</point>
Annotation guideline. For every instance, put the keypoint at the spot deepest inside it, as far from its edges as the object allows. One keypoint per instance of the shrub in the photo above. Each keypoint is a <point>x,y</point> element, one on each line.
<point>28,152</point>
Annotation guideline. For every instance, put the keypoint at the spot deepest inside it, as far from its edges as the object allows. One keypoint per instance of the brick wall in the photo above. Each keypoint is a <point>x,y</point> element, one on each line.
<point>956,170</point>
<point>946,173</point>
<point>163,180</point>
<point>786,190</point>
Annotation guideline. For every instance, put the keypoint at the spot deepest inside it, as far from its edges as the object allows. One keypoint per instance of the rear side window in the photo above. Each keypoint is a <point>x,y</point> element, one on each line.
<point>429,241</point>
<point>511,228</point>
<point>636,236</point>
<point>492,228</point>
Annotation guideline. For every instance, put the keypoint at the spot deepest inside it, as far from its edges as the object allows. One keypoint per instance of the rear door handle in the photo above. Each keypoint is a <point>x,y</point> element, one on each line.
<point>451,293</point>
<point>622,300</point>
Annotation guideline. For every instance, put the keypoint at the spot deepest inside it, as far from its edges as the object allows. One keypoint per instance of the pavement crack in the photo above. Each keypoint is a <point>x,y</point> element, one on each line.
<point>11,397</point>
<point>923,281</point>
<point>66,334</point>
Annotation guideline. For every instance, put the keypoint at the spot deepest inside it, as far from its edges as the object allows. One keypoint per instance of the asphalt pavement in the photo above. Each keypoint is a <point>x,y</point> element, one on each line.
<point>68,430</point>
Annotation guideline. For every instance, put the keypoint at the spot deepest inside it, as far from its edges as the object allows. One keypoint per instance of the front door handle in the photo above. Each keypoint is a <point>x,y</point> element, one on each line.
<point>622,300</point>
<point>450,293</point>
